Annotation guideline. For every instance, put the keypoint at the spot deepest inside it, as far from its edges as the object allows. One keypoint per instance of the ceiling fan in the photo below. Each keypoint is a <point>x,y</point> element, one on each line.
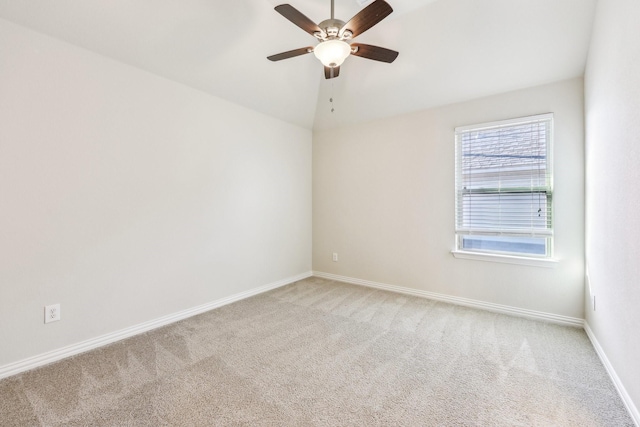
<point>333,35</point>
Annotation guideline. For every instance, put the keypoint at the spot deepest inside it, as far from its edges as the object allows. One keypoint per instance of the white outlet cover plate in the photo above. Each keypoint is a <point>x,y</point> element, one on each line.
<point>51,313</point>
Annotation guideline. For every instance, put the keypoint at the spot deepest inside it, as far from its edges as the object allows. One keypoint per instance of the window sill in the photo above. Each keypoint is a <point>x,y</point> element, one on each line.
<point>506,259</point>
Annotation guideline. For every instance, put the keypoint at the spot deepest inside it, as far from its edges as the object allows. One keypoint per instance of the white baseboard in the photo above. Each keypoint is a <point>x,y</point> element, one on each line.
<point>81,347</point>
<point>497,308</point>
<point>631,407</point>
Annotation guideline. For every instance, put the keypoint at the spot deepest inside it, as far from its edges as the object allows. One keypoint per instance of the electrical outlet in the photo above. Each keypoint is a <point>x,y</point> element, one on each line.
<point>335,257</point>
<point>51,313</point>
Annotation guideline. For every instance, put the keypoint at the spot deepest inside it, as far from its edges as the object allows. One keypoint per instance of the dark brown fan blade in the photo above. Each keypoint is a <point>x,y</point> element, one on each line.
<point>373,52</point>
<point>367,17</point>
<point>293,15</point>
<point>290,54</point>
<point>330,73</point>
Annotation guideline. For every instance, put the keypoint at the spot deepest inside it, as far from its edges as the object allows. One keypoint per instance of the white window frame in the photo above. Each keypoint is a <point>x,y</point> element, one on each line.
<point>545,260</point>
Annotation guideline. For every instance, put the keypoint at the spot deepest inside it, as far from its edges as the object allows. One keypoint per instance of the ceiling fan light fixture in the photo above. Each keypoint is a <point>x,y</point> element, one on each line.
<point>332,53</point>
<point>334,36</point>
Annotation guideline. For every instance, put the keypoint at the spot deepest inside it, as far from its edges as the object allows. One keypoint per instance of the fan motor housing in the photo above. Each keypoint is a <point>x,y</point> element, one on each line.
<point>331,28</point>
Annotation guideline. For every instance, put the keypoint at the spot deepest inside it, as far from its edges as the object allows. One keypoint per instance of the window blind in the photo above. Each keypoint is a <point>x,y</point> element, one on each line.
<point>504,179</point>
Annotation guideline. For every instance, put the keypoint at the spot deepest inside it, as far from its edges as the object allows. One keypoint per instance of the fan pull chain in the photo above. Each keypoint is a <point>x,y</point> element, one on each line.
<point>331,99</point>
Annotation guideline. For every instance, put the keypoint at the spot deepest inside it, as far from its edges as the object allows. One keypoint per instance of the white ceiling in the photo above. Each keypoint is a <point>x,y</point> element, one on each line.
<point>450,50</point>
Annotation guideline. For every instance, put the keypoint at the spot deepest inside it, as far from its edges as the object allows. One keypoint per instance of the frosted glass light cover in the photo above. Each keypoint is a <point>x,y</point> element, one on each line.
<point>332,53</point>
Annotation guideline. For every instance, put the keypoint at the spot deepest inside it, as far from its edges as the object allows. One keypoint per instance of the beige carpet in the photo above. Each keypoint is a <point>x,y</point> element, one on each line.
<point>319,352</point>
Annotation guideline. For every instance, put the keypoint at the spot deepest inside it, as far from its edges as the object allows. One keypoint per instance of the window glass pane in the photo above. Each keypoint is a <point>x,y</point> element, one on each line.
<point>506,244</point>
<point>506,149</point>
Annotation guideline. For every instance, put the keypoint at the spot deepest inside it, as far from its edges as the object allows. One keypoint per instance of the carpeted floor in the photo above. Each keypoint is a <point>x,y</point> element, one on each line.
<point>319,352</point>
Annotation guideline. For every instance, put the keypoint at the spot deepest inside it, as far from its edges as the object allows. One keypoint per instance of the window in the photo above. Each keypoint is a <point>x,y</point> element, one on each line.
<point>504,187</point>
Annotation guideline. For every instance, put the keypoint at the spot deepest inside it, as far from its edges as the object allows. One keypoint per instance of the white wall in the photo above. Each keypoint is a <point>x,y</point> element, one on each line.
<point>126,197</point>
<point>612,105</point>
<point>383,199</point>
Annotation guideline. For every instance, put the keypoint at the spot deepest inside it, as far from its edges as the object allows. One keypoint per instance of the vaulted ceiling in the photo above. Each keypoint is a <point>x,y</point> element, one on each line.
<point>450,50</point>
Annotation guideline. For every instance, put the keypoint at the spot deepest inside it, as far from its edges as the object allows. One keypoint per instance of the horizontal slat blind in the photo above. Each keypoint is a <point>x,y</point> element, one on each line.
<point>503,178</point>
